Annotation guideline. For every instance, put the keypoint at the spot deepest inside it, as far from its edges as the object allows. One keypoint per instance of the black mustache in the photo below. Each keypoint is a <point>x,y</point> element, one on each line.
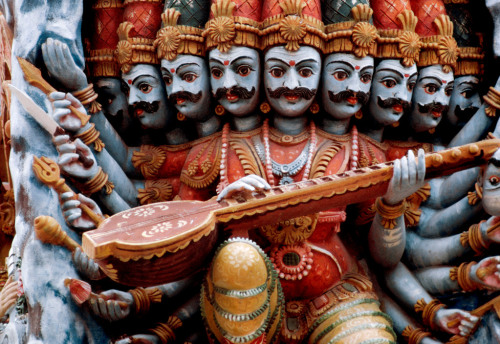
<point>465,114</point>
<point>302,92</point>
<point>362,97</point>
<point>431,107</point>
<point>390,102</point>
<point>239,91</point>
<point>146,106</point>
<point>194,98</point>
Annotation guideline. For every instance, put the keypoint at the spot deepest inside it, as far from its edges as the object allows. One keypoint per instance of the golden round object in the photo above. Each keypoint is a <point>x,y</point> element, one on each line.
<point>474,149</point>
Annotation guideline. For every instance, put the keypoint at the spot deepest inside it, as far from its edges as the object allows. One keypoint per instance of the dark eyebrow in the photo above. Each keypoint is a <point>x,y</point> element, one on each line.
<point>186,64</point>
<point>306,61</point>
<point>344,62</point>
<point>471,83</point>
<point>391,70</point>
<point>143,75</point>
<point>432,77</point>
<point>277,60</point>
<point>494,161</point>
<point>414,74</point>
<point>365,68</point>
<point>213,59</point>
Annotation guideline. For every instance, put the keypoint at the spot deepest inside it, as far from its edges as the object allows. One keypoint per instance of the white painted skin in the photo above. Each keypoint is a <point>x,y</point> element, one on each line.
<point>188,73</point>
<point>494,8</point>
<point>345,72</point>
<point>240,66</point>
<point>283,68</point>
<point>490,181</point>
<point>433,85</point>
<point>391,80</point>
<point>144,84</point>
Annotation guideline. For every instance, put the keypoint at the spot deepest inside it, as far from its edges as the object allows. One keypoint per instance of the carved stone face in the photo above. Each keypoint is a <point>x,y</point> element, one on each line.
<point>187,82</point>
<point>464,100</point>
<point>494,8</point>
<point>291,79</point>
<point>346,84</point>
<point>431,97</point>
<point>391,91</point>
<point>235,79</point>
<point>490,181</point>
<point>114,103</point>
<point>146,96</point>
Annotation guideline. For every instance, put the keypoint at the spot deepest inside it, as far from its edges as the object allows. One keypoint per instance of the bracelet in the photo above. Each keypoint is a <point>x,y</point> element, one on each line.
<point>414,335</point>
<point>88,96</point>
<point>428,311</point>
<point>474,238</point>
<point>99,181</point>
<point>149,160</point>
<point>475,196</point>
<point>90,136</point>
<point>492,98</point>
<point>165,331</point>
<point>155,191</point>
<point>461,274</point>
<point>389,213</point>
<point>144,297</point>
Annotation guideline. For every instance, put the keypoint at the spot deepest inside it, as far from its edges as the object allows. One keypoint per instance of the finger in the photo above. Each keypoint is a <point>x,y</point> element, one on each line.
<point>67,158</point>
<point>93,305</point>
<point>102,307</point>
<point>61,103</point>
<point>82,147</point>
<point>72,215</point>
<point>58,53</point>
<point>60,139</point>
<point>60,114</point>
<point>57,96</point>
<point>65,196</point>
<point>111,310</point>
<point>264,184</point>
<point>87,201</point>
<point>396,177</point>
<point>412,168</point>
<point>247,187</point>
<point>404,171</point>
<point>75,102</point>
<point>421,165</point>
<point>66,148</point>
<point>67,56</point>
<point>118,311</point>
<point>70,205</point>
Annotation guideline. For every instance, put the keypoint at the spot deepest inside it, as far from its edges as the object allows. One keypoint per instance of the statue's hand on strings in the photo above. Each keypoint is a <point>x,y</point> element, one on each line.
<point>63,115</point>
<point>139,339</point>
<point>69,158</point>
<point>61,65</point>
<point>487,272</point>
<point>112,305</point>
<point>86,266</point>
<point>248,183</point>
<point>73,214</point>
<point>8,296</point>
<point>455,321</point>
<point>408,177</point>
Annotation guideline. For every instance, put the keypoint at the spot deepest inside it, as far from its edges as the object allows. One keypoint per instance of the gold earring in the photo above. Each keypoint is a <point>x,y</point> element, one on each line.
<point>359,114</point>
<point>432,130</point>
<point>180,117</point>
<point>314,108</point>
<point>395,124</point>
<point>219,110</point>
<point>265,107</point>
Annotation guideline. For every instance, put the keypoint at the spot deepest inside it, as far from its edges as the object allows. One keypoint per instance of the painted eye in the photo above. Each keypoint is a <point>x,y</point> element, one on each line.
<point>189,77</point>
<point>277,72</point>
<point>430,88</point>
<point>467,93</point>
<point>366,78</point>
<point>389,83</point>
<point>305,72</point>
<point>448,91</point>
<point>410,86</point>
<point>243,70</point>
<point>494,180</point>
<point>167,79</point>
<point>340,75</point>
<point>217,73</point>
<point>145,88</point>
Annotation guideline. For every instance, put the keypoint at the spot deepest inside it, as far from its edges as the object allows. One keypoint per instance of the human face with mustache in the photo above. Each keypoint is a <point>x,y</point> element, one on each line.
<point>391,91</point>
<point>464,100</point>
<point>431,98</point>
<point>291,79</point>
<point>113,98</point>
<point>346,84</point>
<point>235,79</point>
<point>146,96</point>
<point>187,83</point>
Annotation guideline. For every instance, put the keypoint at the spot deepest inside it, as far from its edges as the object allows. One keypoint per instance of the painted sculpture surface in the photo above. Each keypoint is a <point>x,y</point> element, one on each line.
<point>275,171</point>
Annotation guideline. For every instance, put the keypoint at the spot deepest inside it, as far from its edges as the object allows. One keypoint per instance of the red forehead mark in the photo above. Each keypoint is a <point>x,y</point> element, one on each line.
<point>443,81</point>
<point>226,63</point>
<point>172,70</point>
<point>357,67</point>
<point>407,75</point>
<point>129,82</point>
<point>292,63</point>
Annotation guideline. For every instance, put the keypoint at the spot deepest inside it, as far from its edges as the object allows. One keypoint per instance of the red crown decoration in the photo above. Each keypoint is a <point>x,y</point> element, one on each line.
<point>141,21</point>
<point>396,24</point>
<point>100,56</point>
<point>233,23</point>
<point>292,23</point>
<point>436,30</point>
<point>356,36</point>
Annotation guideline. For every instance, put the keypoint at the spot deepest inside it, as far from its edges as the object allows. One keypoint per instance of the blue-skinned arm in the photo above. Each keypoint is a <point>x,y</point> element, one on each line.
<point>387,233</point>
<point>444,222</point>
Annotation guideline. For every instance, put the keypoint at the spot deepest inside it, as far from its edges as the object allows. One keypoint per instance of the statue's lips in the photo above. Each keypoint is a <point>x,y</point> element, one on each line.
<point>291,97</point>
<point>180,100</point>
<point>436,114</point>
<point>352,100</point>
<point>139,113</point>
<point>398,108</point>
<point>231,97</point>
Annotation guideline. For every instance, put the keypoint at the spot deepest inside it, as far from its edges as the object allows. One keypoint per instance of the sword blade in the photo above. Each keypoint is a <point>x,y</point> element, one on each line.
<point>38,114</point>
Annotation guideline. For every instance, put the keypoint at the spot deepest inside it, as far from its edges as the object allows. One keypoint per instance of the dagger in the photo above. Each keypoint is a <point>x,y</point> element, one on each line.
<point>45,120</point>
